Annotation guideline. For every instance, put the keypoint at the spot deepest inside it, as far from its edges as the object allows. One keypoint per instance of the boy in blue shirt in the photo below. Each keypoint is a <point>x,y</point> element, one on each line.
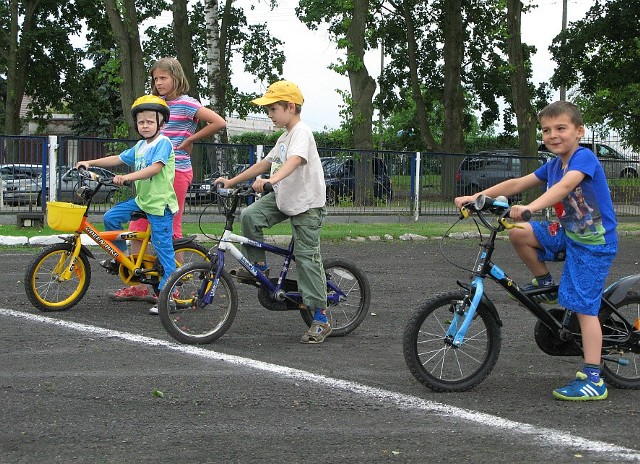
<point>154,163</point>
<point>578,190</point>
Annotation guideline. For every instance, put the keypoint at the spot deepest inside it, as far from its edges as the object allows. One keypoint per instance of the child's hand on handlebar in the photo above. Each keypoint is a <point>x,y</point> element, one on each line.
<point>465,200</point>
<point>258,185</point>
<point>119,180</point>
<point>221,182</point>
<point>520,213</point>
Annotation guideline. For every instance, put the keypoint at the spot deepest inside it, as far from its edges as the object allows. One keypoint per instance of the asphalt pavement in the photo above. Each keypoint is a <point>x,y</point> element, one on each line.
<point>103,381</point>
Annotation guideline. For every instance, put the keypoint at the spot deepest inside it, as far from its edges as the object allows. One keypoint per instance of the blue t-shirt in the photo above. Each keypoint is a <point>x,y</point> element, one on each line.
<point>587,213</point>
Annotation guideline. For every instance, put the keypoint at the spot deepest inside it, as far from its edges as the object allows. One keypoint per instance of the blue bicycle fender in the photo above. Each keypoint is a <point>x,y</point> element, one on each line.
<point>617,291</point>
<point>487,303</point>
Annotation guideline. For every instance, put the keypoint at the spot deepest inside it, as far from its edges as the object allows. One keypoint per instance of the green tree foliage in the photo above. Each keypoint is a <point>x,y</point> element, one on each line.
<point>36,57</point>
<point>600,56</point>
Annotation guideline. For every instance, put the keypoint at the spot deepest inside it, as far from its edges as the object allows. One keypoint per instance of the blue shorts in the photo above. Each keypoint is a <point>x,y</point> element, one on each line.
<point>585,269</point>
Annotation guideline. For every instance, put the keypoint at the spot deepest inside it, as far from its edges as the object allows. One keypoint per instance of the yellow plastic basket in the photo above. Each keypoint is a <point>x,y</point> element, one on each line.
<point>63,216</point>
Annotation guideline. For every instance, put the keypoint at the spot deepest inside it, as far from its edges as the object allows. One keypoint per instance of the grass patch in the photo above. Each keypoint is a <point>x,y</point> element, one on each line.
<point>330,231</point>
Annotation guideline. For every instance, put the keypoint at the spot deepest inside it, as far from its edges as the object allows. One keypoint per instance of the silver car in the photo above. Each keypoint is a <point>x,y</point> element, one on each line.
<point>19,189</point>
<point>615,164</point>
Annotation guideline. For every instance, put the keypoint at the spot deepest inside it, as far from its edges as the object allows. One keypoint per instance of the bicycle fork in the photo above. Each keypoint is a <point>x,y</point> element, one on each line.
<point>463,314</point>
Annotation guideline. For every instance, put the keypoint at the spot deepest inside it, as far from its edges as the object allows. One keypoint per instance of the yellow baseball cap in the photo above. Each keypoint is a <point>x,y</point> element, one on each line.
<point>280,91</point>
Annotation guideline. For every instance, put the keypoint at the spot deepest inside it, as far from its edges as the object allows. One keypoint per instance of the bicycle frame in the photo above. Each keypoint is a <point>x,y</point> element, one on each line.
<point>226,243</point>
<point>105,241</point>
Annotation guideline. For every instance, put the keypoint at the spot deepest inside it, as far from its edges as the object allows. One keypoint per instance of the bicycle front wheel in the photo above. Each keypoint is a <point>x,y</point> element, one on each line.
<point>348,297</point>
<point>183,311</point>
<point>47,282</point>
<point>434,361</point>
<point>622,366</point>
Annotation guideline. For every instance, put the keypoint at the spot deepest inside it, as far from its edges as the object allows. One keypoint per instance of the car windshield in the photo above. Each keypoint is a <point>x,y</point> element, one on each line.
<point>331,166</point>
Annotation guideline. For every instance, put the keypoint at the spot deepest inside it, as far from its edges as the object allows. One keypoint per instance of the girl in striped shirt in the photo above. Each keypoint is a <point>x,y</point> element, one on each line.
<point>169,82</point>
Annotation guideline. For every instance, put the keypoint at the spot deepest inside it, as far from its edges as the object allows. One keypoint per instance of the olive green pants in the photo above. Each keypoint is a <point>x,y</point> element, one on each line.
<point>305,229</point>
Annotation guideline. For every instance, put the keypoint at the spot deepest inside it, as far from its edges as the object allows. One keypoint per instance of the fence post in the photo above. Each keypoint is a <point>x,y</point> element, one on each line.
<point>53,170</point>
<point>416,193</point>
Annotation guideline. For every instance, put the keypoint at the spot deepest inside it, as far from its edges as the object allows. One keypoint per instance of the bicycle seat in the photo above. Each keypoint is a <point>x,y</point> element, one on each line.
<point>138,215</point>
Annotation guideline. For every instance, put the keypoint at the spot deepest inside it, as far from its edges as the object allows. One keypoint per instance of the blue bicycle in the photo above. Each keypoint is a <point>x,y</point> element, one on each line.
<point>208,299</point>
<point>452,342</point>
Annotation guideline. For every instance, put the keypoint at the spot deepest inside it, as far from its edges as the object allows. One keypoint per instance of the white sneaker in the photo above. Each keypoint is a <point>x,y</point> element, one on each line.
<point>154,309</point>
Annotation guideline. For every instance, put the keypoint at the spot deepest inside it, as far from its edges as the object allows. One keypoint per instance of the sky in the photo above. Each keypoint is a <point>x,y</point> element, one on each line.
<point>309,53</point>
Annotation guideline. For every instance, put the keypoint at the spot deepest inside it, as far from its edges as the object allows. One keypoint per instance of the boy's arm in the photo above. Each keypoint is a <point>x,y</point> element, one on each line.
<point>144,173</point>
<point>558,191</point>
<point>292,163</point>
<point>108,162</point>
<point>507,188</point>
<point>260,167</point>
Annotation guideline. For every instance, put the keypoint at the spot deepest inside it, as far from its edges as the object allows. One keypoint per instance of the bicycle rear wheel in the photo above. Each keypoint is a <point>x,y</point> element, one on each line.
<point>348,297</point>
<point>183,311</point>
<point>437,364</point>
<point>624,372</point>
<point>45,284</point>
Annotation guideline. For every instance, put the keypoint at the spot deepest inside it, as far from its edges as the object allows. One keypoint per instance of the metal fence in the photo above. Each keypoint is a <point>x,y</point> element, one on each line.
<point>376,183</point>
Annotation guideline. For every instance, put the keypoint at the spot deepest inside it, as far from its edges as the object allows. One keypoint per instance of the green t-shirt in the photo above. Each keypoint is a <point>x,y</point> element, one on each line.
<point>155,194</point>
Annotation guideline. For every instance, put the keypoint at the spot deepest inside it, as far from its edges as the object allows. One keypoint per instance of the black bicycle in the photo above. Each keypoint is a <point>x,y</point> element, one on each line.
<point>209,299</point>
<point>452,342</point>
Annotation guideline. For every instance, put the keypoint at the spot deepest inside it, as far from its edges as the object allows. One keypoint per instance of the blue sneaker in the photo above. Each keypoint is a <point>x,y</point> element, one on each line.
<point>549,298</point>
<point>582,389</point>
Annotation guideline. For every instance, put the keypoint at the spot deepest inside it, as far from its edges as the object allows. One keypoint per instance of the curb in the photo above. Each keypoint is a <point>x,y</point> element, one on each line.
<point>45,240</point>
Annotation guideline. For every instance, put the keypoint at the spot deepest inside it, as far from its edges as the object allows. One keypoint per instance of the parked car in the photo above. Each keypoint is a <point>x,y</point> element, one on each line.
<point>203,192</point>
<point>19,189</point>
<point>69,183</point>
<point>614,163</point>
<point>486,168</point>
<point>339,177</point>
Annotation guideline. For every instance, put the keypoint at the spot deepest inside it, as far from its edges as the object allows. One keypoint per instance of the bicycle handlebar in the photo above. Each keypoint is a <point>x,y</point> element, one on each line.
<point>498,206</point>
<point>86,174</point>
<point>240,191</point>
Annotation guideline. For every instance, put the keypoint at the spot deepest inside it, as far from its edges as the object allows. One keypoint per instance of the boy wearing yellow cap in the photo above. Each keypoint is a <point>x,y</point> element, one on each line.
<point>299,195</point>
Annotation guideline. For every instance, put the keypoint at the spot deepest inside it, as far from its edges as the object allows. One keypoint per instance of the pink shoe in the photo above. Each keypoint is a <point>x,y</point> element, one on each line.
<point>133,294</point>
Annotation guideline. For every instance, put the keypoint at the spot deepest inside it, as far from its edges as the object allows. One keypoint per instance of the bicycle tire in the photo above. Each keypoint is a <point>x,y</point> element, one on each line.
<point>191,252</point>
<point>616,374</point>
<point>181,312</point>
<point>436,364</point>
<point>187,253</point>
<point>345,316</point>
<point>42,286</point>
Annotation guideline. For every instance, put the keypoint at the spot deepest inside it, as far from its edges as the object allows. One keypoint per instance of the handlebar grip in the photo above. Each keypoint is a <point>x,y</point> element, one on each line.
<point>268,187</point>
<point>526,215</point>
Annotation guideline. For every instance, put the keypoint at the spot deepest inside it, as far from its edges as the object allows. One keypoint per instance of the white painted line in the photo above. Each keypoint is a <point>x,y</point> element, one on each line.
<point>546,436</point>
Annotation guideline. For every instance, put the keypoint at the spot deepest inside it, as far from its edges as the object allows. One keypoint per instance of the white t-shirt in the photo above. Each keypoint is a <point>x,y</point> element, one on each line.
<point>304,188</point>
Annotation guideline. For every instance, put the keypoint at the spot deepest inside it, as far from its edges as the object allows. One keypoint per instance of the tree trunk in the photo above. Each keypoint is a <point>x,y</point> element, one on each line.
<point>453,99</point>
<point>182,38</point>
<point>362,87</point>
<point>525,115</point>
<point>18,51</point>
<point>127,37</point>
<point>216,85</point>
<point>416,91</point>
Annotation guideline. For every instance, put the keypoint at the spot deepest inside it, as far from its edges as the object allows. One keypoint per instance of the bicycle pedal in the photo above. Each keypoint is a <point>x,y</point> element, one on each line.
<point>111,266</point>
